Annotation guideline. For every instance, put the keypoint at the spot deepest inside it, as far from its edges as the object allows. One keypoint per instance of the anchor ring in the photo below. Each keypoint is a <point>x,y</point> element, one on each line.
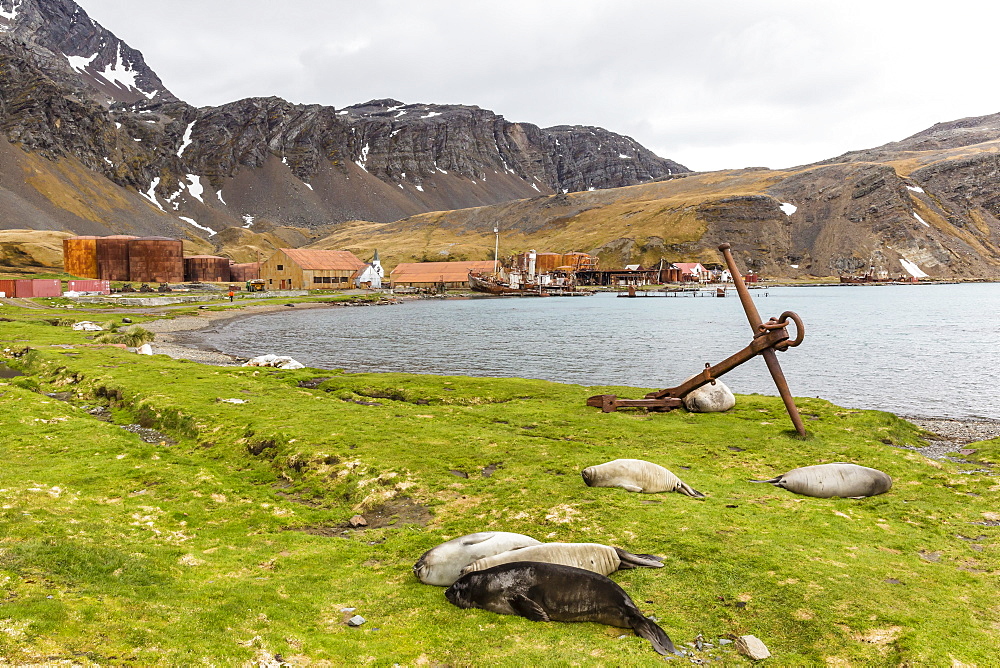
<point>781,322</point>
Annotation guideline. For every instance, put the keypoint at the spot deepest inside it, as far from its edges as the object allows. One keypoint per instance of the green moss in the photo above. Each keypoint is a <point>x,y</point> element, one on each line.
<point>229,543</point>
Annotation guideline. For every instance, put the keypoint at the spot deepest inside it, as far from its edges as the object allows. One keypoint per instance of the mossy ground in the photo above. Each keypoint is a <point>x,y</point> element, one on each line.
<point>227,541</point>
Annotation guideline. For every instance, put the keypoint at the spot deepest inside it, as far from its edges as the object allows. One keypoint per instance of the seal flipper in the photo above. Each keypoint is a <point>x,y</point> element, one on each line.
<point>650,630</point>
<point>629,560</point>
<point>528,609</point>
<point>773,481</point>
<point>630,488</point>
<point>685,488</point>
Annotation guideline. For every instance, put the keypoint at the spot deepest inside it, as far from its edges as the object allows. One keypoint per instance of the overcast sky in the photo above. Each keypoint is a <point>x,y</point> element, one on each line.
<point>712,84</point>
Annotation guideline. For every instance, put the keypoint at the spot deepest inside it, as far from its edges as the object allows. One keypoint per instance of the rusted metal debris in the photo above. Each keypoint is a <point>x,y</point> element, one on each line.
<point>769,337</point>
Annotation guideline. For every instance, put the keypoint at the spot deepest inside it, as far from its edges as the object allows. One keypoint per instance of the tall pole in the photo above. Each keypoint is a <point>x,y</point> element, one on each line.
<point>496,249</point>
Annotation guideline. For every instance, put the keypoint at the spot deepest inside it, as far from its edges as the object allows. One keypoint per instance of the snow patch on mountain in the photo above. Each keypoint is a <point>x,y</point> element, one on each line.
<point>190,221</point>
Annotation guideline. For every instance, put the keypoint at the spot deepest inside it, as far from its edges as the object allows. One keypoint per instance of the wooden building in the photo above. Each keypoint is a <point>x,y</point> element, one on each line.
<point>301,269</point>
<point>437,275</point>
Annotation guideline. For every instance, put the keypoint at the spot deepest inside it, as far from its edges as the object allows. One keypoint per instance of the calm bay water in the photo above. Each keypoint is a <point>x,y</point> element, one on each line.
<point>928,350</point>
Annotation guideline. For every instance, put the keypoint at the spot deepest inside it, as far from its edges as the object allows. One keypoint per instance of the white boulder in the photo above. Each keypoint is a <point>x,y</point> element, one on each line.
<point>87,326</point>
<point>276,361</point>
<point>145,349</point>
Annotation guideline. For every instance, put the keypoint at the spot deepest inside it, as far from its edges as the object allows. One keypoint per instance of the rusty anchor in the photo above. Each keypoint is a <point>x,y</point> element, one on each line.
<point>769,337</point>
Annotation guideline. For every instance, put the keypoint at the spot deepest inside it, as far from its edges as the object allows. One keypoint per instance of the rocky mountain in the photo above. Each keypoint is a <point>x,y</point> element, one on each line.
<point>927,205</point>
<point>108,147</point>
<point>92,142</point>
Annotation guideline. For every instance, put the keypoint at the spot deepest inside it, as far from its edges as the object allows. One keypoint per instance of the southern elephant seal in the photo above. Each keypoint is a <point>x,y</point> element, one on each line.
<point>710,398</point>
<point>553,592</point>
<point>602,559</point>
<point>442,565</point>
<point>636,475</point>
<point>839,479</point>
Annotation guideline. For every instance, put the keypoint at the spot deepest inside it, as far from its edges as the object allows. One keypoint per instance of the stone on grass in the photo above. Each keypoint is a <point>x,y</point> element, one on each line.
<point>87,326</point>
<point>358,521</point>
<point>356,620</point>
<point>710,398</point>
<point>752,647</point>
<point>276,361</point>
<point>145,349</point>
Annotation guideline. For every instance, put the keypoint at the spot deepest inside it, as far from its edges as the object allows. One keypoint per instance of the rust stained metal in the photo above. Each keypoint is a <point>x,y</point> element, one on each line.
<point>769,337</point>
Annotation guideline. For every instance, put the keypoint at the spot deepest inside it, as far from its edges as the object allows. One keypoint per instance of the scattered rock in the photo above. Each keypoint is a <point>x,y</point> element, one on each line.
<point>87,326</point>
<point>752,647</point>
<point>145,349</point>
<point>276,361</point>
<point>232,401</point>
<point>358,521</point>
<point>460,474</point>
<point>356,620</point>
<point>127,321</point>
<point>149,435</point>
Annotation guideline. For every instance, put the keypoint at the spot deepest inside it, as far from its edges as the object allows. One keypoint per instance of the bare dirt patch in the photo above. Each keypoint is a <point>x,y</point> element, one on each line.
<point>393,513</point>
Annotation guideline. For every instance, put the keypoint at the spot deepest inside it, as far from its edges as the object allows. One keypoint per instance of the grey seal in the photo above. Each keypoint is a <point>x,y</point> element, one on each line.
<point>711,398</point>
<point>442,565</point>
<point>636,475</point>
<point>595,557</point>
<point>553,592</point>
<point>828,480</point>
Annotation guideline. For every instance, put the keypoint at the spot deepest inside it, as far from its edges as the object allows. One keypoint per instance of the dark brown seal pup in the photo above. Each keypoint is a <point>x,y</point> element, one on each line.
<point>552,592</point>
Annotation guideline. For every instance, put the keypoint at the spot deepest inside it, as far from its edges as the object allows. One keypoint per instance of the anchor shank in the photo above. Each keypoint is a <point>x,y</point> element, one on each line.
<point>741,289</point>
<point>771,359</point>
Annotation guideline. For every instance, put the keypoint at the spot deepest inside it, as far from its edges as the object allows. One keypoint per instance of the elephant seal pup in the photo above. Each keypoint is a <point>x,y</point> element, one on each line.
<point>710,398</point>
<point>636,475</point>
<point>442,565</point>
<point>828,480</point>
<point>601,559</point>
<point>553,592</point>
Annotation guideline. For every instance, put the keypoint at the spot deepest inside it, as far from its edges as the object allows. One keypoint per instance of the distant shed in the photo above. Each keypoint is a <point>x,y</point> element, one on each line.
<point>91,285</point>
<point>37,287</point>
<point>437,274</point>
<point>301,269</point>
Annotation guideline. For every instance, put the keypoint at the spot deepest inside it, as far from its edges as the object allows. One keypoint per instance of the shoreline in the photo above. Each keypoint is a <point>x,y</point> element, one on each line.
<point>180,338</point>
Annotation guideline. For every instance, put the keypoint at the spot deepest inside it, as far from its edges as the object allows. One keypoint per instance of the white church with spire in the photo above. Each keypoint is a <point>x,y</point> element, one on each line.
<point>370,276</point>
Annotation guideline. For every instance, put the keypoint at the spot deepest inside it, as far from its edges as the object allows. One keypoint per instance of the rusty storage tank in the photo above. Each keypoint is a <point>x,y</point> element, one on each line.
<point>156,260</point>
<point>206,269</point>
<point>112,257</point>
<point>80,257</point>
<point>546,262</point>
<point>245,271</point>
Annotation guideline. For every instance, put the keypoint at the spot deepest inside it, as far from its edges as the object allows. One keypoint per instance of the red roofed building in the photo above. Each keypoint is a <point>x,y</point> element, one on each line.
<point>437,274</point>
<point>693,271</point>
<point>301,269</point>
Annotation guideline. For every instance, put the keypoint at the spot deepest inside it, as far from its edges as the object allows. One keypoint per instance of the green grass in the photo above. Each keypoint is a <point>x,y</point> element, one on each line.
<point>228,543</point>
